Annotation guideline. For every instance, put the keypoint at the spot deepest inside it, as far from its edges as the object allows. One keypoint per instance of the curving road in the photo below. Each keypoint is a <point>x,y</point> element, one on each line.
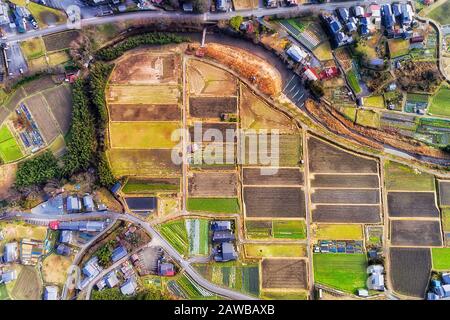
<point>156,237</point>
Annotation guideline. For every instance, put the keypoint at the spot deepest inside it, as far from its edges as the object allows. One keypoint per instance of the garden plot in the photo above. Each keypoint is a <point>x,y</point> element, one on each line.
<point>416,233</point>
<point>279,202</point>
<point>143,135</point>
<point>44,119</point>
<point>211,107</point>
<point>149,94</point>
<point>345,196</point>
<point>275,229</point>
<point>344,181</point>
<point>152,162</point>
<point>213,184</point>
<point>444,193</point>
<point>282,177</point>
<point>258,150</point>
<point>144,67</point>
<point>144,112</point>
<point>198,235</point>
<point>346,213</point>
<point>61,40</point>
<point>176,234</point>
<point>284,274</point>
<point>59,100</point>
<point>325,158</point>
<point>412,204</point>
<point>256,114</point>
<point>409,270</point>
<point>206,79</point>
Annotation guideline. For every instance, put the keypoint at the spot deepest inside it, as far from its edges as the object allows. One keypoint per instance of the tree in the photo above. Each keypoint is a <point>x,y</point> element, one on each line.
<point>316,88</point>
<point>80,50</point>
<point>37,170</point>
<point>200,6</point>
<point>235,22</point>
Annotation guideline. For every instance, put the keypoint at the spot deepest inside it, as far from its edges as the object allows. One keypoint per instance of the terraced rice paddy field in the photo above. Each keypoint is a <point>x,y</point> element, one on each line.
<point>284,274</point>
<point>407,264</point>
<point>345,186</point>
<point>345,272</point>
<point>235,275</point>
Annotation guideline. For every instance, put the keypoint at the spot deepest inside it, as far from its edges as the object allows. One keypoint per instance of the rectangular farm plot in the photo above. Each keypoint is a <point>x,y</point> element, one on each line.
<point>400,177</point>
<point>284,274</point>
<point>283,176</point>
<point>9,148</point>
<point>412,204</point>
<point>346,213</point>
<point>259,229</point>
<point>205,78</point>
<point>144,112</point>
<point>198,232</point>
<point>151,94</point>
<point>213,184</point>
<point>60,102</point>
<point>444,193</point>
<point>338,232</point>
<point>280,202</point>
<point>44,119</point>
<point>60,41</point>
<point>325,158</point>
<point>344,181</point>
<point>349,196</point>
<point>137,186</point>
<point>176,234</point>
<point>156,162</point>
<point>416,233</point>
<point>142,135</point>
<point>289,229</point>
<point>441,259</point>
<point>217,205</point>
<point>204,132</point>
<point>279,250</point>
<point>410,270</point>
<point>211,107</point>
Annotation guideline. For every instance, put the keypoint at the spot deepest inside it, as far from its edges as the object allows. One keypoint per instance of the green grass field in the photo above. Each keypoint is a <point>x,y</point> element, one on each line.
<point>259,229</point>
<point>440,14</point>
<point>33,48</point>
<point>353,81</point>
<point>4,292</point>
<point>346,272</point>
<point>175,232</point>
<point>142,186</point>
<point>217,205</point>
<point>368,118</point>
<point>441,259</point>
<point>349,113</point>
<point>254,250</point>
<point>398,47</point>
<point>339,232</point>
<point>403,178</point>
<point>189,288</point>
<point>9,149</point>
<point>446,219</point>
<point>289,229</point>
<point>417,97</point>
<point>440,103</point>
<point>374,102</point>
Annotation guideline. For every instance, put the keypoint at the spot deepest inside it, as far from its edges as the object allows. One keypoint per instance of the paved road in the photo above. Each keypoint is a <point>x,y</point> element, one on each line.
<point>156,236</point>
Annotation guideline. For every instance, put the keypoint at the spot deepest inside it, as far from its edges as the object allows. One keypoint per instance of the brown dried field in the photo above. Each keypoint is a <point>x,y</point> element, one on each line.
<point>345,196</point>
<point>211,107</point>
<point>344,181</point>
<point>144,67</point>
<point>283,177</point>
<point>60,102</point>
<point>213,184</point>
<point>279,202</point>
<point>444,193</point>
<point>40,112</point>
<point>7,179</point>
<point>207,79</point>
<point>412,204</point>
<point>415,233</point>
<point>346,213</point>
<point>144,112</point>
<point>284,274</point>
<point>226,129</point>
<point>54,268</point>
<point>28,285</point>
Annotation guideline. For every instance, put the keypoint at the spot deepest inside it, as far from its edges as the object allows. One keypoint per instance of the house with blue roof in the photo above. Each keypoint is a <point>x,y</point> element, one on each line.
<point>118,253</point>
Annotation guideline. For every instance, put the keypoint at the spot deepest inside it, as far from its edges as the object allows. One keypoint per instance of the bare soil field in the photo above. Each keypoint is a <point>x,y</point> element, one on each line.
<point>12,102</point>
<point>60,41</point>
<point>284,274</point>
<point>349,196</point>
<point>60,102</point>
<point>213,184</point>
<point>144,67</point>
<point>156,162</point>
<point>54,269</point>
<point>7,179</point>
<point>149,94</point>
<point>256,114</point>
<point>40,84</point>
<point>245,4</point>
<point>27,286</point>
<point>211,107</point>
<point>285,202</point>
<point>345,181</point>
<point>205,126</point>
<point>444,193</point>
<point>346,213</point>
<point>144,112</point>
<point>416,233</point>
<point>40,112</point>
<point>284,177</point>
<point>410,270</point>
<point>209,80</point>
<point>412,204</point>
<point>325,158</point>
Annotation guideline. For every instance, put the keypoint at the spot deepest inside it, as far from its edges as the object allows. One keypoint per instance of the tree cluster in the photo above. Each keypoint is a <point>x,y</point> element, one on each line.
<point>37,170</point>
